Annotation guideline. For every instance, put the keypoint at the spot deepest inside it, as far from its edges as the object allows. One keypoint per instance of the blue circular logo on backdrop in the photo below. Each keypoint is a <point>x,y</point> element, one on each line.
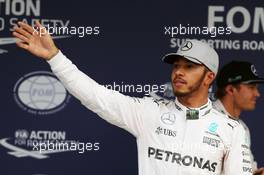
<point>40,93</point>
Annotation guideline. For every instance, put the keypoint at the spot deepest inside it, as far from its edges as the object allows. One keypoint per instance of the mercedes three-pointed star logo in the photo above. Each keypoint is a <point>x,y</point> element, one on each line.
<point>168,118</point>
<point>186,46</point>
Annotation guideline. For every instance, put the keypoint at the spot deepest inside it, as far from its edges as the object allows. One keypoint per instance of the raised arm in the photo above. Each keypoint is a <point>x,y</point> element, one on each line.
<point>116,108</point>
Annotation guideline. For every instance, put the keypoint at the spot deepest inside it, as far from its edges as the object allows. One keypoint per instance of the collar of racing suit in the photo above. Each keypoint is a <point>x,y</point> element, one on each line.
<point>219,105</point>
<point>194,113</point>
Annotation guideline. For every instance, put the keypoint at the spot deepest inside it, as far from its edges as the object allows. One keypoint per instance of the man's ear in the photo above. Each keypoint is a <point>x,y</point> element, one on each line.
<point>210,76</point>
<point>229,89</point>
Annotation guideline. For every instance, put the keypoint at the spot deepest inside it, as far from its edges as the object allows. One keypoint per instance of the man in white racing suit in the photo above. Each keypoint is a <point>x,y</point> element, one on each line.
<point>182,137</point>
<point>237,91</point>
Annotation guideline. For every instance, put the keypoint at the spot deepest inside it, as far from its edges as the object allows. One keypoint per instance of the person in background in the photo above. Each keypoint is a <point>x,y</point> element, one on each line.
<point>237,91</point>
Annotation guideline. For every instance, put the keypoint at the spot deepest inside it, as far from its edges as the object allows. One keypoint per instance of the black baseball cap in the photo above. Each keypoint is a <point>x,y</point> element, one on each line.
<point>237,72</point>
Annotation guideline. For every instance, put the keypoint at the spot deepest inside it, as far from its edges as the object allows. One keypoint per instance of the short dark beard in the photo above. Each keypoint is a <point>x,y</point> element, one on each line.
<point>192,89</point>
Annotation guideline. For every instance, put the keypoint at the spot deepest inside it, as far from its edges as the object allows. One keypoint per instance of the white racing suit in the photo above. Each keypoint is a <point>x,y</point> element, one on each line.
<point>218,105</point>
<point>171,138</point>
